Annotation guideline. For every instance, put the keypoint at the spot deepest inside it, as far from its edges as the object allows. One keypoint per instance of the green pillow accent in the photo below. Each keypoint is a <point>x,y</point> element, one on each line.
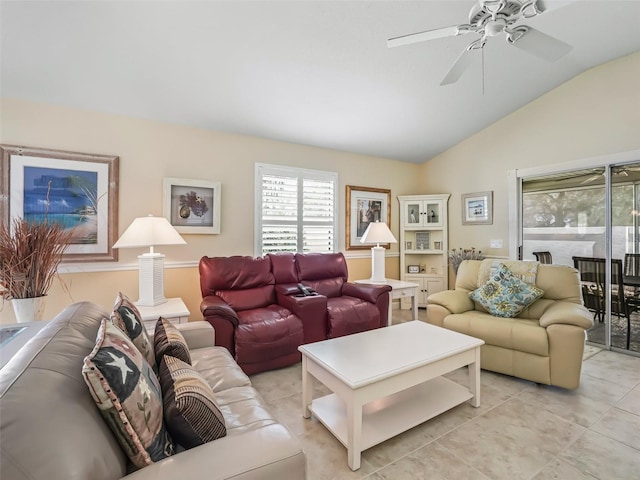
<point>504,294</point>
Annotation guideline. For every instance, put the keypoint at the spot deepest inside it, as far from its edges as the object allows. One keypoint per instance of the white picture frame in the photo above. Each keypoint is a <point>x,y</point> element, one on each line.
<point>477,208</point>
<point>192,206</point>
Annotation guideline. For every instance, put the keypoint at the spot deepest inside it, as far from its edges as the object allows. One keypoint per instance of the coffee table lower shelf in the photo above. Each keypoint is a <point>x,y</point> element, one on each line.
<point>389,416</point>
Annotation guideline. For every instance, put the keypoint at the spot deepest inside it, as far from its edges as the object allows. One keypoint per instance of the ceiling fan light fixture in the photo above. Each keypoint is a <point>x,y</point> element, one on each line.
<point>495,27</point>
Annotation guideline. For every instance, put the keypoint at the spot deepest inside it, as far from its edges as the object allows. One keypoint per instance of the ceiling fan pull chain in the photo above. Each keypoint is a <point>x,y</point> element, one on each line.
<point>482,53</point>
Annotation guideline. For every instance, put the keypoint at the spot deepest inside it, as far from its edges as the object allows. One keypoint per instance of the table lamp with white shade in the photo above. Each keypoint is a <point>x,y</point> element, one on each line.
<point>377,232</point>
<point>149,232</point>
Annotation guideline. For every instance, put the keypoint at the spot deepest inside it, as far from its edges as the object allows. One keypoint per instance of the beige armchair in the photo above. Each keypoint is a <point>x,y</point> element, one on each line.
<point>543,344</point>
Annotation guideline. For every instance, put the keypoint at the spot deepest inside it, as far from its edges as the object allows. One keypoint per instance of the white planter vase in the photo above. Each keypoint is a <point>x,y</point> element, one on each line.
<point>28,309</point>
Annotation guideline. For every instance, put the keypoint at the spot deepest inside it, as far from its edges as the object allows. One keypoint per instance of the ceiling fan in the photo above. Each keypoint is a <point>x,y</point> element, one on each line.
<point>617,172</point>
<point>490,18</point>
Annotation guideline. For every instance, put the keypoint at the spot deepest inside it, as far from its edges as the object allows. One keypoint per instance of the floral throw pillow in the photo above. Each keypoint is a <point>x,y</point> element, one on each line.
<point>127,318</point>
<point>127,392</point>
<point>504,294</point>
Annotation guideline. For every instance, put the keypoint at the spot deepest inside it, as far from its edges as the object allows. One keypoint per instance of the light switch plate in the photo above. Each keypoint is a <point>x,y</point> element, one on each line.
<point>496,243</point>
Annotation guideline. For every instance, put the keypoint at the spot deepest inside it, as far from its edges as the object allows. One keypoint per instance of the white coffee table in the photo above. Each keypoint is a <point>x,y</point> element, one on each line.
<point>386,381</point>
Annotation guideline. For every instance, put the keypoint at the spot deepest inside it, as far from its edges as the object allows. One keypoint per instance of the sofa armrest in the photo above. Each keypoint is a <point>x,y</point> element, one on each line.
<point>212,306</point>
<point>567,313</point>
<point>365,291</point>
<point>274,453</point>
<point>198,334</point>
<point>456,301</point>
<point>311,310</point>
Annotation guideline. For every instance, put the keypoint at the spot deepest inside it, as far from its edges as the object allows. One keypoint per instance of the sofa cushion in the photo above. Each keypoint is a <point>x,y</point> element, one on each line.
<point>348,315</point>
<point>218,368</point>
<point>190,410</point>
<point>514,334</point>
<point>504,294</point>
<point>167,340</point>
<point>267,333</point>
<point>127,318</point>
<point>128,394</point>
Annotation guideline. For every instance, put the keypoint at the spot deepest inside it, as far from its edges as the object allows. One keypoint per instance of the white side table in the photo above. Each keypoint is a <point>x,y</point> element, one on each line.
<point>173,310</point>
<point>399,289</point>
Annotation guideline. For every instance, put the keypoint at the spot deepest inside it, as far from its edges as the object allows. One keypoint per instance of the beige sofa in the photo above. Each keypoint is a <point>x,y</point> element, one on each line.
<point>50,427</point>
<point>544,343</point>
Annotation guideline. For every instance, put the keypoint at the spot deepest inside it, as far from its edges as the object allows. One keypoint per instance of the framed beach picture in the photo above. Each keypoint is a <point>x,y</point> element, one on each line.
<point>192,206</point>
<point>477,208</point>
<point>77,190</point>
<point>365,205</point>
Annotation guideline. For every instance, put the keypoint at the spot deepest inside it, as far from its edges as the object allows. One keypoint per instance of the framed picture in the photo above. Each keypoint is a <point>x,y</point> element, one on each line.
<point>477,208</point>
<point>365,205</point>
<point>414,269</point>
<point>76,190</point>
<point>408,245</point>
<point>192,206</point>
<point>437,245</point>
<point>422,240</point>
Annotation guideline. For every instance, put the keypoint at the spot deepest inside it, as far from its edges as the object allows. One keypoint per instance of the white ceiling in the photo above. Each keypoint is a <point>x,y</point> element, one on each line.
<point>310,72</point>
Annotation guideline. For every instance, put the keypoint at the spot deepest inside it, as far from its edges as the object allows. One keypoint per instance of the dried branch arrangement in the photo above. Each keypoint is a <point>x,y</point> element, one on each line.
<point>457,256</point>
<point>29,257</point>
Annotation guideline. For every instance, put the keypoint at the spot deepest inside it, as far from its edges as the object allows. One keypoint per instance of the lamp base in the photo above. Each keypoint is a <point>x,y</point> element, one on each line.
<point>377,265</point>
<point>151,280</point>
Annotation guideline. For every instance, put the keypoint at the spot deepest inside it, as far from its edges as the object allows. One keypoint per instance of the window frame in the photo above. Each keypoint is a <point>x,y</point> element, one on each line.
<point>262,169</point>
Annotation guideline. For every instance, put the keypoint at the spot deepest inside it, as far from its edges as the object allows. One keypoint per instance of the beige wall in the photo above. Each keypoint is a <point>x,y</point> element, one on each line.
<point>148,152</point>
<point>596,113</point>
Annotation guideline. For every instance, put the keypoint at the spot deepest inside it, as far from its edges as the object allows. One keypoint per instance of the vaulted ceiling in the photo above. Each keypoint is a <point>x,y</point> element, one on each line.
<point>310,72</point>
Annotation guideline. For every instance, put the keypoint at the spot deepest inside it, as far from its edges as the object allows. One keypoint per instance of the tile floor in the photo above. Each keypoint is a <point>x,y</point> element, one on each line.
<point>521,431</point>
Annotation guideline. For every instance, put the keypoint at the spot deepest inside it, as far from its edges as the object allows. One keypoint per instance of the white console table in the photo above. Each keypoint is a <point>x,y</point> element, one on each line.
<point>173,310</point>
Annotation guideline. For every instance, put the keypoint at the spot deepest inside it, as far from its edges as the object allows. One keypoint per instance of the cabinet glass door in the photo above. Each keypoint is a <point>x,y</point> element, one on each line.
<point>433,212</point>
<point>413,214</point>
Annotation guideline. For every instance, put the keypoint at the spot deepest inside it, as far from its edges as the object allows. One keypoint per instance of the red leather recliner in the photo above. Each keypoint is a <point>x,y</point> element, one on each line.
<point>351,307</point>
<point>253,305</point>
<point>239,300</point>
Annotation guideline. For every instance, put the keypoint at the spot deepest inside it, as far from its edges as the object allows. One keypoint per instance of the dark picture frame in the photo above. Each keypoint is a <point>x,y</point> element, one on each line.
<point>77,190</point>
<point>365,205</point>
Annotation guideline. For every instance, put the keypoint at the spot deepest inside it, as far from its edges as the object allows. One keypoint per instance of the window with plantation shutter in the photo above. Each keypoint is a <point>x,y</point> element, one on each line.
<point>296,210</point>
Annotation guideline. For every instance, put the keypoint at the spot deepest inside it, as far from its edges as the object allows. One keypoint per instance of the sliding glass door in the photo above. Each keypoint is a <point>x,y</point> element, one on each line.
<point>587,218</point>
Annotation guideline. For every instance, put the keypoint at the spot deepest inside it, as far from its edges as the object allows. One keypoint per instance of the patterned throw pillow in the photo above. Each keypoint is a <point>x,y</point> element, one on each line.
<point>127,318</point>
<point>168,340</point>
<point>128,394</point>
<point>190,411</point>
<point>504,294</point>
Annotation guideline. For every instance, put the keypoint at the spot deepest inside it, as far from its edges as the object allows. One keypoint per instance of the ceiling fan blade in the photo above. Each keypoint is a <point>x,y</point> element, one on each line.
<point>540,44</point>
<point>548,5</point>
<point>461,64</point>
<point>424,36</point>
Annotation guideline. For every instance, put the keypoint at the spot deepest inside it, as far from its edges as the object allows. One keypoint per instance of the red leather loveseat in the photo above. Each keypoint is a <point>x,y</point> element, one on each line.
<point>254,306</point>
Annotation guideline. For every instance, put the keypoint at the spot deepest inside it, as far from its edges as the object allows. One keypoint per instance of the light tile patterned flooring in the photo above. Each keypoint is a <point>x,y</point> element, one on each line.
<point>521,431</point>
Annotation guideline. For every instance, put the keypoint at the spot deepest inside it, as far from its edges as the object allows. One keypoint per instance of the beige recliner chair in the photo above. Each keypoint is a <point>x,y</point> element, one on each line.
<point>543,344</point>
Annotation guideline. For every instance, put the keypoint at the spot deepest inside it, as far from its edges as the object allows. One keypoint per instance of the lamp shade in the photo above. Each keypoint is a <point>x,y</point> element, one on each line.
<point>378,232</point>
<point>149,231</point>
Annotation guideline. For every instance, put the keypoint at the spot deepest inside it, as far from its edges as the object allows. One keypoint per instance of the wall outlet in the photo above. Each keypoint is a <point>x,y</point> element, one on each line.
<point>496,243</point>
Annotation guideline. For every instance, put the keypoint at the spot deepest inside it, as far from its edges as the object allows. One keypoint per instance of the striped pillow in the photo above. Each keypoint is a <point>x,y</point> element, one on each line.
<point>168,340</point>
<point>191,414</point>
